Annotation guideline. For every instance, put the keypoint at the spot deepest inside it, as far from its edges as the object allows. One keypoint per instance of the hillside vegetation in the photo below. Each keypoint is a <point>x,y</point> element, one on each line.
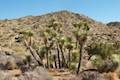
<point>65,44</point>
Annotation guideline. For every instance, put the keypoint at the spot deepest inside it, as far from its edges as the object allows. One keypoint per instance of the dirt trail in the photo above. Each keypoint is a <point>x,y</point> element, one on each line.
<point>61,75</point>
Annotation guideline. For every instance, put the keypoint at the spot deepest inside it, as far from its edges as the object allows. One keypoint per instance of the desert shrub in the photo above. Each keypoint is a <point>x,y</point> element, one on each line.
<point>75,55</point>
<point>97,61</point>
<point>28,58</point>
<point>102,56</point>
<point>73,66</point>
<point>117,45</point>
<point>90,76</point>
<point>100,49</point>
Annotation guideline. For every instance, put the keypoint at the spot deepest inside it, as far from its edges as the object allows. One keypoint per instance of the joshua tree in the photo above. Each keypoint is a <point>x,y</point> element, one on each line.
<point>30,35</point>
<point>55,25</point>
<point>44,35</point>
<point>25,36</point>
<point>49,39</point>
<point>58,55</point>
<point>42,52</point>
<point>55,40</point>
<point>56,28</point>
<point>61,41</point>
<point>81,30</point>
<point>55,62</point>
<point>50,36</point>
<point>81,44</point>
<point>69,45</point>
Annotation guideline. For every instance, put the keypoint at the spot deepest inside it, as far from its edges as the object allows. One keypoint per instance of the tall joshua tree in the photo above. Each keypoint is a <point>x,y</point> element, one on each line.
<point>69,45</point>
<point>56,42</point>
<point>81,44</point>
<point>61,41</point>
<point>56,26</point>
<point>45,35</point>
<point>81,30</point>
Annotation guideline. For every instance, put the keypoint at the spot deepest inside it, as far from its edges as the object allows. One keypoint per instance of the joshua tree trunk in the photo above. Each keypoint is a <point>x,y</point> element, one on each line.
<point>30,41</point>
<point>69,57</point>
<point>39,57</point>
<point>32,53</point>
<point>47,50</point>
<point>89,57</point>
<point>76,43</point>
<point>47,57</point>
<point>58,55</point>
<point>55,62</point>
<point>80,59</point>
<point>64,64</point>
<point>50,61</point>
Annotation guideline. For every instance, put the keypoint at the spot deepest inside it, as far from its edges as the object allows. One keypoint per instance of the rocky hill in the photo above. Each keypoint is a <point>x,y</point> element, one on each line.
<point>10,29</point>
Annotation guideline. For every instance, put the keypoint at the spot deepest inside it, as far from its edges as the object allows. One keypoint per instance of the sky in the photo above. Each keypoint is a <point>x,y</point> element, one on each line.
<point>100,10</point>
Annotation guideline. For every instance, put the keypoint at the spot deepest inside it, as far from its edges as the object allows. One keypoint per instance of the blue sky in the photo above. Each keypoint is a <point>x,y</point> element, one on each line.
<point>100,10</point>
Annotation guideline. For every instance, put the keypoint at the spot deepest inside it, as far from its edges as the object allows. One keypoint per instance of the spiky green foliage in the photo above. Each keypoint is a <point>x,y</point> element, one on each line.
<point>75,56</point>
<point>28,58</point>
<point>24,35</point>
<point>42,51</point>
<point>102,56</point>
<point>100,49</point>
<point>80,32</point>
<point>117,45</point>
